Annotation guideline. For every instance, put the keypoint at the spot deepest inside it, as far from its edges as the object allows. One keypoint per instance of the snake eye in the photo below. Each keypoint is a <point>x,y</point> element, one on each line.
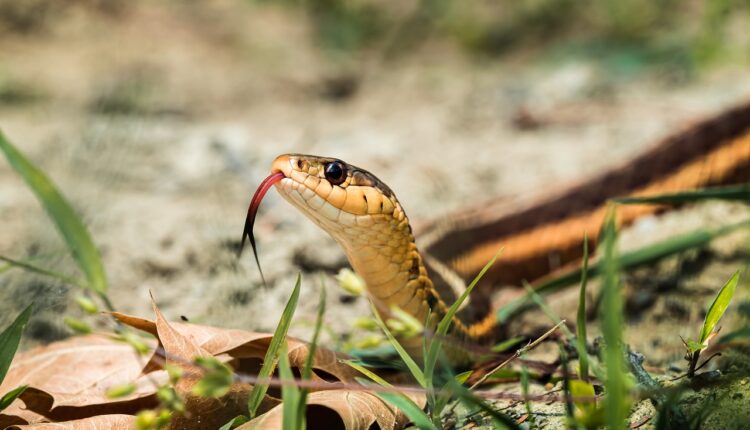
<point>335,173</point>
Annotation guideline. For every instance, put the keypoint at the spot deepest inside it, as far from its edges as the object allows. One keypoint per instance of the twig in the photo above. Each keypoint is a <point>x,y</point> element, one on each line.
<point>518,353</point>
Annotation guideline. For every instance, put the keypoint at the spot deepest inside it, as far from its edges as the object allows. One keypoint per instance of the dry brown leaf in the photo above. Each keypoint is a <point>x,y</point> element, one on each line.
<point>100,422</point>
<point>69,379</point>
<point>352,410</point>
<point>179,350</point>
<point>250,348</point>
<point>20,417</point>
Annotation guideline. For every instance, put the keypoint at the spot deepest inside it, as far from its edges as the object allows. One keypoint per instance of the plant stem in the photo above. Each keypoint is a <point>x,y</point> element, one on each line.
<point>693,363</point>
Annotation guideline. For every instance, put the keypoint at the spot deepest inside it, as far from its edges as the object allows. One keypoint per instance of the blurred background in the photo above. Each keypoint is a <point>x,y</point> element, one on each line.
<point>159,118</point>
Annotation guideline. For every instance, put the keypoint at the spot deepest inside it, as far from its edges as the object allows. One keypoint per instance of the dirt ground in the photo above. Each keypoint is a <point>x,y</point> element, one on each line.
<point>159,121</point>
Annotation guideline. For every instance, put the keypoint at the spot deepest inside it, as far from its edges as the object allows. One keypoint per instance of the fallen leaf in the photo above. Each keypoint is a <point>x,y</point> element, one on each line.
<point>250,347</point>
<point>348,409</point>
<point>67,379</point>
<point>100,422</point>
<point>179,350</point>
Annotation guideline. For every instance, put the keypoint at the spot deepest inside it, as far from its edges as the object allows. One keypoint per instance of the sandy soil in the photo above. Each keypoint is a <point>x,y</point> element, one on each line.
<point>158,124</point>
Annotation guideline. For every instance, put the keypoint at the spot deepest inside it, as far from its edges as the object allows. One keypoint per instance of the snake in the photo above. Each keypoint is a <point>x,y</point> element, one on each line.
<point>363,215</point>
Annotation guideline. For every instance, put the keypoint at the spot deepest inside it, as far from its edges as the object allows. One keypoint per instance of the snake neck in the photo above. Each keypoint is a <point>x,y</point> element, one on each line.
<point>384,253</point>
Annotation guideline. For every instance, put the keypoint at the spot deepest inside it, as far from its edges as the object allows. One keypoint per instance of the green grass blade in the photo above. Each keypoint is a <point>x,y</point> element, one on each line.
<point>539,301</point>
<point>234,423</point>
<point>404,403</point>
<point>508,344</point>
<point>719,306</point>
<point>367,372</point>
<point>290,394</point>
<point>431,357</point>
<point>308,369</point>
<point>583,356</point>
<point>612,328</point>
<point>10,338</point>
<point>447,319</point>
<point>462,377</point>
<point>735,192</point>
<point>500,420</point>
<point>417,416</point>
<point>631,259</point>
<point>68,223</point>
<point>525,390</point>
<point>435,343</point>
<point>33,268</point>
<point>405,357</point>
<point>272,354</point>
<point>11,395</point>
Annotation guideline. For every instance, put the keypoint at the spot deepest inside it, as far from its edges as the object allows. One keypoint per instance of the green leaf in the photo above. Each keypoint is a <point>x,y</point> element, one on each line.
<point>635,258</point>
<point>735,192</point>
<point>462,377</point>
<point>68,223</point>
<point>11,395</point>
<point>9,340</point>
<point>272,354</point>
<point>693,346</point>
<point>719,306</point>
<point>583,356</point>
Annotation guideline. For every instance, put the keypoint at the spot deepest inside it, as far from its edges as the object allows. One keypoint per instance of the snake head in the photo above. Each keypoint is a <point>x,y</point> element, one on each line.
<point>331,192</point>
<point>336,195</point>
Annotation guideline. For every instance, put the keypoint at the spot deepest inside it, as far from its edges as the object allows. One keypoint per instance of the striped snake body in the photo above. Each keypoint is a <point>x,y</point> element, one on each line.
<point>364,216</point>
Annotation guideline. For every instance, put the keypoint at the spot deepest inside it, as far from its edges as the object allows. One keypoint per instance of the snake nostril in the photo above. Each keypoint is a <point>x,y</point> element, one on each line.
<point>302,164</point>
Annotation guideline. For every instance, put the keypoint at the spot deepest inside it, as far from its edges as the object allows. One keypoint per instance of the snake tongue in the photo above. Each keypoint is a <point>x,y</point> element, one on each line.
<point>252,212</point>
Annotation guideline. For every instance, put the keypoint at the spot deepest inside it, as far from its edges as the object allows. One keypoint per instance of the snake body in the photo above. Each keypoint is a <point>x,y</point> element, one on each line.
<point>364,216</point>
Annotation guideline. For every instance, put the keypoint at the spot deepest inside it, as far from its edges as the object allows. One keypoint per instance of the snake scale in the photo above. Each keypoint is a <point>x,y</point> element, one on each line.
<point>364,216</point>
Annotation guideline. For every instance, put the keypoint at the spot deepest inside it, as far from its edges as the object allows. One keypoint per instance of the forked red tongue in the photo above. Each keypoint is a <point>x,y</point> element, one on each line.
<point>252,211</point>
